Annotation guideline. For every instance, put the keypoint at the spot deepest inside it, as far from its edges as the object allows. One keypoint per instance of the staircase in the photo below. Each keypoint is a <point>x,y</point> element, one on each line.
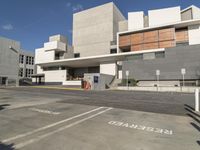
<point>114,83</point>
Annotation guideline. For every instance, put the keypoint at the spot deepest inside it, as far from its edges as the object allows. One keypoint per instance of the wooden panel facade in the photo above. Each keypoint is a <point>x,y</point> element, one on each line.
<point>167,34</point>
<point>167,44</point>
<point>182,36</point>
<point>153,45</point>
<point>162,38</point>
<point>137,38</point>
<point>151,36</point>
<point>137,47</point>
<point>124,41</point>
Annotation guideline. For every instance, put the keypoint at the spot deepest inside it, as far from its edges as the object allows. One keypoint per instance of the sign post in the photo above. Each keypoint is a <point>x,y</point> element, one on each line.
<point>157,76</point>
<point>183,72</point>
<point>127,78</point>
<point>197,100</point>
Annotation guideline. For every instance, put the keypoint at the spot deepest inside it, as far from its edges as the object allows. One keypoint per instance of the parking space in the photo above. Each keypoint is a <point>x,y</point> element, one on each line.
<point>68,125</point>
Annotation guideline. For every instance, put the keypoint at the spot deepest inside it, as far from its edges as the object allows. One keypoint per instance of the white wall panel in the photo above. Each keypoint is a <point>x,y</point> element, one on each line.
<point>135,20</point>
<point>108,68</point>
<point>194,34</point>
<point>164,16</point>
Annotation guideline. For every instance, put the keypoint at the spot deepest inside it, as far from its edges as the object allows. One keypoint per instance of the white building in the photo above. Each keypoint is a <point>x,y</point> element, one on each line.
<point>104,48</point>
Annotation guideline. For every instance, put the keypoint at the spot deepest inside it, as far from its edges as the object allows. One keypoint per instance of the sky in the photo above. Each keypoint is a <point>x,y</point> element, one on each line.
<point>32,21</point>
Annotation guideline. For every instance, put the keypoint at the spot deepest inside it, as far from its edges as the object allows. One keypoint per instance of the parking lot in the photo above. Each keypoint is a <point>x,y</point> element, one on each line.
<point>53,119</point>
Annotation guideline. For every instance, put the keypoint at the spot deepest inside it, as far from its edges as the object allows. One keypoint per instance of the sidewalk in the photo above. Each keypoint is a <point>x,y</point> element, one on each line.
<point>160,89</point>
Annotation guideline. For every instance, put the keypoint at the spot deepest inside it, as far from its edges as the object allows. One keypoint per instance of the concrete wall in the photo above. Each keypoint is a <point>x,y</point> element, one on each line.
<point>135,20</point>
<point>194,34</point>
<point>94,29</point>
<point>170,66</point>
<point>55,76</point>
<point>196,12</point>
<point>164,16</point>
<point>108,68</point>
<point>9,65</point>
<point>123,26</point>
<point>42,56</point>
<point>103,80</point>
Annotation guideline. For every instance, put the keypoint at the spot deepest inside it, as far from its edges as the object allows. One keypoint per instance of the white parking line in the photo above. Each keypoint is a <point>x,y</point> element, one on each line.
<point>49,126</point>
<point>45,111</point>
<point>33,140</point>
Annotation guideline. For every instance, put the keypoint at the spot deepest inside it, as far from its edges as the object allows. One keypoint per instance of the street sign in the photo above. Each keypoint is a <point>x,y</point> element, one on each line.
<point>157,72</point>
<point>183,71</point>
<point>127,73</point>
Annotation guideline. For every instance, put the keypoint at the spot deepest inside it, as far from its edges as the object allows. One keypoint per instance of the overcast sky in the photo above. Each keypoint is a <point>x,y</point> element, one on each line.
<point>32,21</point>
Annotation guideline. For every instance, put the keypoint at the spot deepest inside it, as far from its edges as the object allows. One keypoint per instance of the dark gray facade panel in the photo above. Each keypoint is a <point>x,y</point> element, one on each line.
<point>186,15</point>
<point>170,66</point>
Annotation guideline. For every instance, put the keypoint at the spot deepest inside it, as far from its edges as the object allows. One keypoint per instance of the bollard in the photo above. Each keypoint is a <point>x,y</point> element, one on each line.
<point>197,100</point>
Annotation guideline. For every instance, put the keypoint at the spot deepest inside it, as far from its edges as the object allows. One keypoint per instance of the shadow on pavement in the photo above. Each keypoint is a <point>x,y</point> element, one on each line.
<point>6,147</point>
<point>196,118</point>
<point>190,107</point>
<point>3,107</point>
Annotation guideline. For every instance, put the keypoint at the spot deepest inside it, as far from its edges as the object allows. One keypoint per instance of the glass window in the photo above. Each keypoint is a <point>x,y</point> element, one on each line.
<point>160,54</point>
<point>135,57</point>
<point>27,59</point>
<point>76,55</point>
<point>113,51</point>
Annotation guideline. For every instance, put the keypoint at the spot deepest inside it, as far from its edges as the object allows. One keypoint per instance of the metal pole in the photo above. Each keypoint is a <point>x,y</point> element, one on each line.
<point>197,100</point>
<point>183,80</point>
<point>127,82</point>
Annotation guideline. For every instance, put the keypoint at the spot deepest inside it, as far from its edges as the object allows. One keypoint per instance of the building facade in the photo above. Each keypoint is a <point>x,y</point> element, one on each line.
<point>13,62</point>
<point>166,40</point>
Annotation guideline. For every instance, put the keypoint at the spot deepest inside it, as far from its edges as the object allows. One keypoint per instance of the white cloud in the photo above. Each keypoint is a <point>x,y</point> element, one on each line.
<point>8,27</point>
<point>77,8</point>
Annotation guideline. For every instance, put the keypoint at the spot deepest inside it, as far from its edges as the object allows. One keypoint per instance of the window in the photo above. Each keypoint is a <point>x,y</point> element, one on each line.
<point>21,59</point>
<point>32,61</point>
<point>113,51</point>
<point>135,57</point>
<point>50,68</point>
<point>160,54</point>
<point>21,72</point>
<point>26,73</point>
<point>182,44</point>
<point>76,55</point>
<point>27,59</point>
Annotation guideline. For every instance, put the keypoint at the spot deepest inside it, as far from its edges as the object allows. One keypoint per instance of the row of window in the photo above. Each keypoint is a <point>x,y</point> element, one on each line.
<point>29,60</point>
<point>146,56</point>
<point>28,72</point>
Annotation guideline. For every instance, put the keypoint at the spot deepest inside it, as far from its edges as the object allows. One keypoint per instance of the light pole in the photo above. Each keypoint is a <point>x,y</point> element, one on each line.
<point>18,67</point>
<point>183,72</point>
<point>127,75</point>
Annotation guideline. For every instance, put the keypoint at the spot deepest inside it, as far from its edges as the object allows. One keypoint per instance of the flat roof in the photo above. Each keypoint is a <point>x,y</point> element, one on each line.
<point>94,60</point>
<point>176,24</point>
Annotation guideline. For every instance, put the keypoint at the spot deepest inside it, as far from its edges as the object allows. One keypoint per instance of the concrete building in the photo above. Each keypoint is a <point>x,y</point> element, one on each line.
<point>95,29</point>
<point>13,62</point>
<point>104,49</point>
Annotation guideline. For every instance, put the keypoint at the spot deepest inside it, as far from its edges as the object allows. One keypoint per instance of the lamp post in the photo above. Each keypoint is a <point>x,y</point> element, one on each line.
<point>127,76</point>
<point>17,52</point>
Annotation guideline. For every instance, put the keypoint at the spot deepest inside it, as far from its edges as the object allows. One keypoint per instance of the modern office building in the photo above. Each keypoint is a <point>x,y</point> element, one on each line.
<point>166,41</point>
<point>13,62</point>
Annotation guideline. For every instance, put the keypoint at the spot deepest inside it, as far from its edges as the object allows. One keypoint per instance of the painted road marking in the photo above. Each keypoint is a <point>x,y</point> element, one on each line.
<point>49,126</point>
<point>140,127</point>
<point>45,111</point>
<point>33,140</point>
